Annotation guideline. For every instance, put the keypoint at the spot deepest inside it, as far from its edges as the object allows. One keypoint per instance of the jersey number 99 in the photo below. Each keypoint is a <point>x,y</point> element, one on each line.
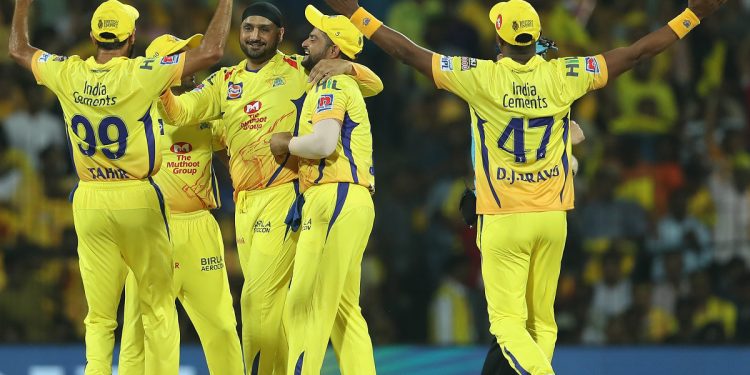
<point>106,126</point>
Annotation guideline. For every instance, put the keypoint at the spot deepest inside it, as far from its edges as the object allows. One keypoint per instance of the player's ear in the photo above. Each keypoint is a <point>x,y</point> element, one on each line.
<point>334,52</point>
<point>91,36</point>
<point>281,34</point>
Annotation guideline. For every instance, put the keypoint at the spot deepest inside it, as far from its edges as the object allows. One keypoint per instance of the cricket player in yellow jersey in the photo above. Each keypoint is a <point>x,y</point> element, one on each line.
<point>260,96</point>
<point>521,120</point>
<point>200,280</point>
<point>118,210</point>
<point>337,177</point>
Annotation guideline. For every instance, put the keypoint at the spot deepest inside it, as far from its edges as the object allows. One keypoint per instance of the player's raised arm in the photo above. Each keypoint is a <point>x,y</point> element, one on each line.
<point>389,40</point>
<point>211,49</point>
<point>20,49</point>
<point>621,60</point>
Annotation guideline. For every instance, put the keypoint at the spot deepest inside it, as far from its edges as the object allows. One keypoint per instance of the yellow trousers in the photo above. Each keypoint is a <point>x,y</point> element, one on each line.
<point>266,248</point>
<point>521,255</point>
<point>201,284</point>
<point>323,298</point>
<point>126,221</point>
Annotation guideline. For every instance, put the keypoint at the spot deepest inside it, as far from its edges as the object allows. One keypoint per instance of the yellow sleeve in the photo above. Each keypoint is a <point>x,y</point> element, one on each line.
<point>582,74</point>
<point>332,98</point>
<point>369,82</point>
<point>159,74</point>
<point>47,69</point>
<point>200,105</point>
<point>218,135</point>
<point>463,76</point>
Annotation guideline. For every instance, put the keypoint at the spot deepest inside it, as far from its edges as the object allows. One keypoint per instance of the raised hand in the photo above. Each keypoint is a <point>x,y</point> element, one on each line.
<point>344,7</point>
<point>704,8</point>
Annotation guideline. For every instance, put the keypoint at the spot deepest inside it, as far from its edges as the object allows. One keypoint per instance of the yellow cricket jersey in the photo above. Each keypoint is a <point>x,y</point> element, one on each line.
<point>187,178</point>
<point>254,105</point>
<point>111,120</point>
<point>520,123</point>
<point>339,98</point>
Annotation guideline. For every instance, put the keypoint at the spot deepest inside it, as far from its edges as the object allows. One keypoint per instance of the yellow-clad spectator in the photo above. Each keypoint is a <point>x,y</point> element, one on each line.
<point>646,105</point>
<point>711,311</point>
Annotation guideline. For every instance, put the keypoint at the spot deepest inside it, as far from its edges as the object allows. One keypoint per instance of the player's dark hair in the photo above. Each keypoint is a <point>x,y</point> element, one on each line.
<point>110,46</point>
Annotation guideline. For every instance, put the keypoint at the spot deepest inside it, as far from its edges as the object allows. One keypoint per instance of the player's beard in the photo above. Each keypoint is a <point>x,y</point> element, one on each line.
<point>311,60</point>
<point>262,54</point>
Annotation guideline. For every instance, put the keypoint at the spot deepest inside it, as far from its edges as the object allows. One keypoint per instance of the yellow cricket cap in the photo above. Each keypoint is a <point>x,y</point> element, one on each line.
<point>166,45</point>
<point>115,18</point>
<point>516,21</point>
<point>341,31</point>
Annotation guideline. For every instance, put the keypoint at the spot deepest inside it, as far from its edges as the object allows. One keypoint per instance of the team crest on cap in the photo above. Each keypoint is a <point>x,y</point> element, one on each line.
<point>108,24</point>
<point>515,26</point>
<point>499,21</point>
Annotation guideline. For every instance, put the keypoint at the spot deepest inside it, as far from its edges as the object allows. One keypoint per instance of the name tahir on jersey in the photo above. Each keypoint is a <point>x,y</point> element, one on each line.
<point>108,174</point>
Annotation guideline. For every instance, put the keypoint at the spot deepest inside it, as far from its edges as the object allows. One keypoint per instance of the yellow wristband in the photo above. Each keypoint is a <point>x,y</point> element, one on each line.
<point>365,22</point>
<point>685,22</point>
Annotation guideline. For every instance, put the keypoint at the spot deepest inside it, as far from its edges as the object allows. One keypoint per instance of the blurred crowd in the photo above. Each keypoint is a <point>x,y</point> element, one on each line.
<point>658,247</point>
